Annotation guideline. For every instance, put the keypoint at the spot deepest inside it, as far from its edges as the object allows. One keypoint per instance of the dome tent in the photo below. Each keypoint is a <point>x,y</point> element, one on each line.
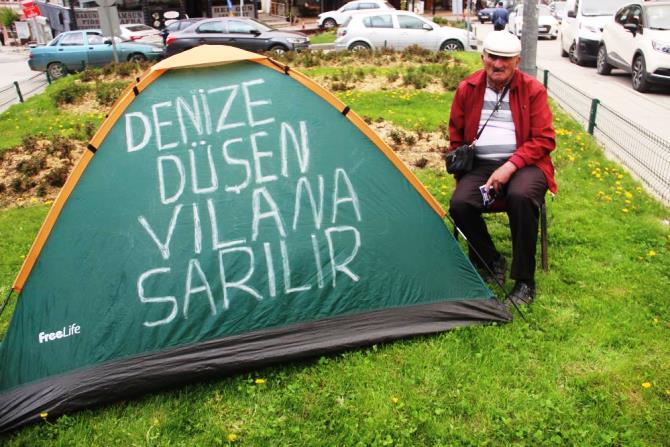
<point>228,214</point>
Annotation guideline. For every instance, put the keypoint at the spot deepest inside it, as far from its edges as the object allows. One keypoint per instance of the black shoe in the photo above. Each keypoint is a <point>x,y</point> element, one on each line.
<point>523,293</point>
<point>496,274</point>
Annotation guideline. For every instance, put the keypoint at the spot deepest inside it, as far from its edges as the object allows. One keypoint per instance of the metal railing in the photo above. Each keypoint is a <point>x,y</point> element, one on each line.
<point>645,154</point>
<point>19,91</point>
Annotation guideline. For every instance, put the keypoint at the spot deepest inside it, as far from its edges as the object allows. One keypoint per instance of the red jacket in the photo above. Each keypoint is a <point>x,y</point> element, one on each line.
<point>535,136</point>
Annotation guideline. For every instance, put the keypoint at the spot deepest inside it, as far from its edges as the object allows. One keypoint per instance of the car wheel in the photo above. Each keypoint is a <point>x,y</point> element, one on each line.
<point>482,21</point>
<point>640,80</point>
<point>56,70</point>
<point>137,57</point>
<point>452,45</point>
<point>573,53</point>
<point>359,46</point>
<point>278,50</point>
<point>602,67</point>
<point>329,23</point>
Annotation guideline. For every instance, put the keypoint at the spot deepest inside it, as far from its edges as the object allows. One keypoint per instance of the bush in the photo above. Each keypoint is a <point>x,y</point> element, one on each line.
<point>107,92</point>
<point>70,92</point>
<point>421,162</point>
<point>452,75</point>
<point>57,176</point>
<point>31,166</point>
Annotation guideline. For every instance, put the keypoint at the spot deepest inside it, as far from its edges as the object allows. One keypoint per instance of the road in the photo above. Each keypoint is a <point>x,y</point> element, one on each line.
<point>14,67</point>
<point>647,110</point>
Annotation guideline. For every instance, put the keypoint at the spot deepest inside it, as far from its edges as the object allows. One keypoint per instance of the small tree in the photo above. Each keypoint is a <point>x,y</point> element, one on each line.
<point>7,17</point>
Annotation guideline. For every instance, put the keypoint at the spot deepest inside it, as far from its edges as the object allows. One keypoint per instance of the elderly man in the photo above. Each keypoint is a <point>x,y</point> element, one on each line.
<point>511,158</point>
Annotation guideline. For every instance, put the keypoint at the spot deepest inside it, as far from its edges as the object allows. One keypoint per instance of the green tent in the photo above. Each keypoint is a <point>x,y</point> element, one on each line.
<point>229,213</point>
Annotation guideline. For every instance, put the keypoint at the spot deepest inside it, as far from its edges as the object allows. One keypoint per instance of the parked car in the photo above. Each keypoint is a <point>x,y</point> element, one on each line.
<point>547,25</point>
<point>178,25</point>
<point>637,40</point>
<point>75,50</point>
<point>335,18</point>
<point>139,32</point>
<point>399,30</point>
<point>581,29</point>
<point>241,32</point>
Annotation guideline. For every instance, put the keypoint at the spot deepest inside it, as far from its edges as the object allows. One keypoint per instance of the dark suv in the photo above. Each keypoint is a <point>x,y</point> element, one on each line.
<point>241,32</point>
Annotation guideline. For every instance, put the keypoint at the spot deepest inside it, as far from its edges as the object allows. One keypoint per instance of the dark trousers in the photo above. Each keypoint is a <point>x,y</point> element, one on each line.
<point>498,27</point>
<point>523,196</point>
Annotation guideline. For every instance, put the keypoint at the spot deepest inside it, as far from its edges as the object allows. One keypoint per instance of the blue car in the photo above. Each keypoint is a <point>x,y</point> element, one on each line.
<point>76,50</point>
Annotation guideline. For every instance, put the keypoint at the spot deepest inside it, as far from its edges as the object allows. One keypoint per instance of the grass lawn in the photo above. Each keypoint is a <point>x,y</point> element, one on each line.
<point>324,37</point>
<point>588,367</point>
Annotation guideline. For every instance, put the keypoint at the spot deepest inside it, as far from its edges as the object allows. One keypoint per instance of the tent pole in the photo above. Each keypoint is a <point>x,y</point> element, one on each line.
<point>4,303</point>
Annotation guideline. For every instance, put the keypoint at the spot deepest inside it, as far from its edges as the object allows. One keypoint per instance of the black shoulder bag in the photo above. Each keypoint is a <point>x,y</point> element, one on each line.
<point>459,161</point>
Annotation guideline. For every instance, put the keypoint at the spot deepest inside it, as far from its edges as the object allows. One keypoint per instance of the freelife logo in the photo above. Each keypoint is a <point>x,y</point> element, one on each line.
<point>67,331</point>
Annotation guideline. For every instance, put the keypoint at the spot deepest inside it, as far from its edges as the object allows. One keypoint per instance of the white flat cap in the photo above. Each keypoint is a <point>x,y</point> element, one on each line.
<point>502,43</point>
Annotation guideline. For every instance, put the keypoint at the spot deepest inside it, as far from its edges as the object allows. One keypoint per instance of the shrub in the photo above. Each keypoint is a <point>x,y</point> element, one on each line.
<point>17,185</point>
<point>452,75</point>
<point>70,92</point>
<point>61,146</point>
<point>392,76</point>
<point>29,143</point>
<point>416,77</point>
<point>41,191</point>
<point>397,136</point>
<point>410,139</point>
<point>57,176</point>
<point>421,162</point>
<point>31,166</point>
<point>107,92</point>
<point>90,74</point>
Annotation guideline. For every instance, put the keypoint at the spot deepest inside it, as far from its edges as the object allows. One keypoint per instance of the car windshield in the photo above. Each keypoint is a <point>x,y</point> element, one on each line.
<point>389,6</point>
<point>658,17</point>
<point>602,7</point>
<point>543,10</point>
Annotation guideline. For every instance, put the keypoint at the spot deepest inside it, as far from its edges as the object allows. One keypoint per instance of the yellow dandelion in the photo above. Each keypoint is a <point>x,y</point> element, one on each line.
<point>655,320</point>
<point>44,415</point>
<point>259,381</point>
<point>625,210</point>
<point>232,437</point>
<point>651,253</point>
<point>646,385</point>
<point>395,400</point>
<point>628,194</point>
<point>667,392</point>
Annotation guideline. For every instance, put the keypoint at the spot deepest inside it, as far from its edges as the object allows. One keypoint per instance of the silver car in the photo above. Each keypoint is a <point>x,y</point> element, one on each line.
<point>398,30</point>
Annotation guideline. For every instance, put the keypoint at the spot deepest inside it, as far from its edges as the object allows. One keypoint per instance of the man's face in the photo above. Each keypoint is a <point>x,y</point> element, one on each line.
<point>499,69</point>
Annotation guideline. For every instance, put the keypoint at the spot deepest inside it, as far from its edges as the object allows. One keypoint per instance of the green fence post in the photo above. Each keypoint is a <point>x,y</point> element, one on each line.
<point>592,115</point>
<point>18,90</point>
<point>546,79</point>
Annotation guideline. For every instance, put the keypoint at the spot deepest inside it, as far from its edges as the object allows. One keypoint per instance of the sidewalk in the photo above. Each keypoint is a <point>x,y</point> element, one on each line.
<point>21,49</point>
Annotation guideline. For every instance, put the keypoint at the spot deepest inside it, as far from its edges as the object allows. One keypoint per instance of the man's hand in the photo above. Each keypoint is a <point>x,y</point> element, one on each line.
<point>501,176</point>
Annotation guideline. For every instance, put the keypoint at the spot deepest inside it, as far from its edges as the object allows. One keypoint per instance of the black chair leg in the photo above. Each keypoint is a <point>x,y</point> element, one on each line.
<point>544,239</point>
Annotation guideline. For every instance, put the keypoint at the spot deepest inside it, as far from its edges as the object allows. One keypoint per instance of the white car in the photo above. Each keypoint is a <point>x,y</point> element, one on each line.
<point>141,33</point>
<point>398,30</point>
<point>547,25</point>
<point>637,40</point>
<point>332,19</point>
<point>581,28</point>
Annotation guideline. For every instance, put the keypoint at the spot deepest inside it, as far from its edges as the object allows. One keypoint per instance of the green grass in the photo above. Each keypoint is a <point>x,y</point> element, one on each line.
<point>41,115</point>
<point>572,375</point>
<point>409,109</point>
<point>324,37</point>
